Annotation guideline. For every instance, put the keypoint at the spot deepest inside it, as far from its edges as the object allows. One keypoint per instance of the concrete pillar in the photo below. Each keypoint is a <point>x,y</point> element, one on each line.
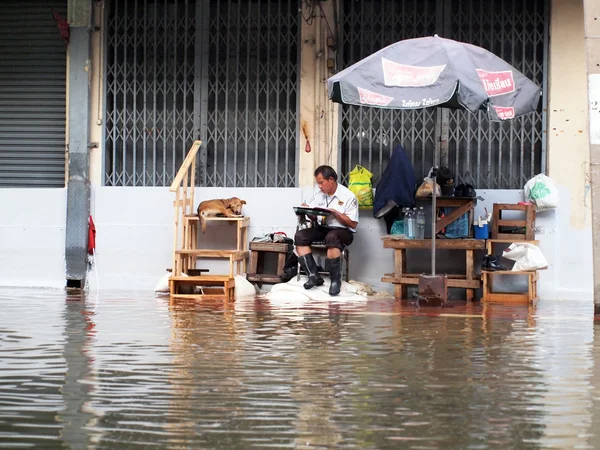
<point>592,41</point>
<point>78,184</point>
<point>318,115</point>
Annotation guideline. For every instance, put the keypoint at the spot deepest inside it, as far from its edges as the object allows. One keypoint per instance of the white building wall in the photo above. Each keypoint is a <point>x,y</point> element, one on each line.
<point>134,225</point>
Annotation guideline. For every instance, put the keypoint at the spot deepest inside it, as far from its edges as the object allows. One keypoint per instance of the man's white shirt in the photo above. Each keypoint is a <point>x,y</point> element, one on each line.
<point>343,200</point>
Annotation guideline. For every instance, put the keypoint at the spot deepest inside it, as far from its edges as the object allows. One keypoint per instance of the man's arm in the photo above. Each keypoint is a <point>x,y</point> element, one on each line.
<point>343,219</point>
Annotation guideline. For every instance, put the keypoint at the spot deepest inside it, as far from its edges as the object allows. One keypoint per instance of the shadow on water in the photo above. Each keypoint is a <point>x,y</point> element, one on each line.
<point>134,371</point>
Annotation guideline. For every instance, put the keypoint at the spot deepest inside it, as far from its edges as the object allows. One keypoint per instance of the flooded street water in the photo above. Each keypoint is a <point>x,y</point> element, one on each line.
<point>123,370</point>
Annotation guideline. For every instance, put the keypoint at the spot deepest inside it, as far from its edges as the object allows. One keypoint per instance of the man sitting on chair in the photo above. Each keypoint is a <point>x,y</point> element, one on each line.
<point>337,229</point>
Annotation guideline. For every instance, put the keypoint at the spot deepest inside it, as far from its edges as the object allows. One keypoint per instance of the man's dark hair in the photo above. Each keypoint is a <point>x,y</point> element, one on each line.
<point>326,172</point>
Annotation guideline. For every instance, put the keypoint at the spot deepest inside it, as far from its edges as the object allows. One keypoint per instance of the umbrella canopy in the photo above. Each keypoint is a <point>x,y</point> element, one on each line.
<point>433,71</point>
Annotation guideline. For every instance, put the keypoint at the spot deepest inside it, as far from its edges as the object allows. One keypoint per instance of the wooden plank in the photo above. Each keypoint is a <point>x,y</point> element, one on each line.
<point>204,253</point>
<point>512,272</point>
<point>281,263</point>
<point>454,215</point>
<point>510,206</point>
<point>254,262</point>
<point>277,247</point>
<point>398,262</point>
<point>450,201</point>
<point>512,223</point>
<point>495,219</point>
<point>530,220</point>
<point>176,235</point>
<point>452,282</point>
<point>508,241</point>
<point>189,159</point>
<point>502,297</point>
<point>399,291</point>
<point>446,244</point>
<point>457,276</point>
<point>194,217</point>
<point>264,278</point>
<point>470,269</point>
<point>203,278</point>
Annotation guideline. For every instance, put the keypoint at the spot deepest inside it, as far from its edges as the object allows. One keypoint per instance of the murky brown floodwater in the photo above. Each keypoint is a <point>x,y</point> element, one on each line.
<point>130,371</point>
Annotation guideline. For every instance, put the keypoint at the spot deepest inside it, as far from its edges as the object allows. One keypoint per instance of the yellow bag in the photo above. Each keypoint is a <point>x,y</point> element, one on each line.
<point>360,184</point>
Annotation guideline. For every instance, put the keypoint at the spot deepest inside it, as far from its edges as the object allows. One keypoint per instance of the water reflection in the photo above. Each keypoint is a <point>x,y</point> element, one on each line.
<point>132,371</point>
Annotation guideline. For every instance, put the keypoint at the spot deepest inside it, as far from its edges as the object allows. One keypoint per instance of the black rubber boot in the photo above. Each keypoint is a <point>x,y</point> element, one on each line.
<point>334,267</point>
<point>309,265</point>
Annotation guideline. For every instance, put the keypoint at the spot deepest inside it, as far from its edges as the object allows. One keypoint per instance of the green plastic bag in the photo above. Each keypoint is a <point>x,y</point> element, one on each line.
<point>360,184</point>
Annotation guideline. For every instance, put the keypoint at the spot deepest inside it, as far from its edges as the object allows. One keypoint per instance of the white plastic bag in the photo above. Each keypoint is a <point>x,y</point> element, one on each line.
<point>526,257</point>
<point>542,192</point>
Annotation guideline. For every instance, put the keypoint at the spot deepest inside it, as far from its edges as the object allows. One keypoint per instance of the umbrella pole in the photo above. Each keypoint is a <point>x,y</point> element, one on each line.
<point>433,224</point>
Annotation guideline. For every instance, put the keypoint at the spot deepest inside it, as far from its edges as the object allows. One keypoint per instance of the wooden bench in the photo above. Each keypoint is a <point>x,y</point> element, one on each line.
<point>401,279</point>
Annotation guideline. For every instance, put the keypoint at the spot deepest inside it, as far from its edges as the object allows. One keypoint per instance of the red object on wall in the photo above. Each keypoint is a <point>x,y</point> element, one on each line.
<point>91,237</point>
<point>63,26</point>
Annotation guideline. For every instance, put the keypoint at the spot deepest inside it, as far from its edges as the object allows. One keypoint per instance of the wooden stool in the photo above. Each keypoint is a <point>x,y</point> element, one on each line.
<point>512,297</point>
<point>488,276</point>
<point>258,252</point>
<point>528,222</point>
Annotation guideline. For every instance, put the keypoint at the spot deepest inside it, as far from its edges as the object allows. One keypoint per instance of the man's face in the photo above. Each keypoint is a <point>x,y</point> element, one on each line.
<point>327,186</point>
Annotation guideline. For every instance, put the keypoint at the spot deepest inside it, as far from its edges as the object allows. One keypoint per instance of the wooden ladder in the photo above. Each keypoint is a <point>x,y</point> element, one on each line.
<point>185,276</point>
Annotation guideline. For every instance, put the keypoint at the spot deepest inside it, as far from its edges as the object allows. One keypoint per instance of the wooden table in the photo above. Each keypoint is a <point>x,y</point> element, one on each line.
<point>401,279</point>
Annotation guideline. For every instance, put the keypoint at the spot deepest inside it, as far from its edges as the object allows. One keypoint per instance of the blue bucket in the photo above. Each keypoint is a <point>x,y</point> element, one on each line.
<point>480,232</point>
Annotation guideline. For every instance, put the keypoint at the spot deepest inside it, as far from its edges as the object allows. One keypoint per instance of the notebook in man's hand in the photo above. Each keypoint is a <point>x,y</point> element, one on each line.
<point>311,211</point>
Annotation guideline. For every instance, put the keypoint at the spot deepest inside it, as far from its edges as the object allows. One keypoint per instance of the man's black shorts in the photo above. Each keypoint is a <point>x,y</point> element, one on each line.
<point>333,237</point>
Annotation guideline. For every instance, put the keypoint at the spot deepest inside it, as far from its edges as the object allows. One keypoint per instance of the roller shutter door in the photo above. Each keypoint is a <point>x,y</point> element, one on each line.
<point>32,94</point>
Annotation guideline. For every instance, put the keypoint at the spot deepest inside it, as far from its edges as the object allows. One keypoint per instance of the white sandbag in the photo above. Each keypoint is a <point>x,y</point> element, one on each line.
<point>542,192</point>
<point>162,285</point>
<point>243,288</point>
<point>294,291</point>
<point>526,257</point>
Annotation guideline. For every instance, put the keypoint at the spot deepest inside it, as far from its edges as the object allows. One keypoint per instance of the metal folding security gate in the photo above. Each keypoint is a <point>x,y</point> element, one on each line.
<point>33,72</point>
<point>485,154</point>
<point>222,71</point>
<point>149,90</point>
<point>253,76</point>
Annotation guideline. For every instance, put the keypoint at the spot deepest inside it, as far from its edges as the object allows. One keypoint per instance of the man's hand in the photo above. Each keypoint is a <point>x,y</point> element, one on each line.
<point>335,213</point>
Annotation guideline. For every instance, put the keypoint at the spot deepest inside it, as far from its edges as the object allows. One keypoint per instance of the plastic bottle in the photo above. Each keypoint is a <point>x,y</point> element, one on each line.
<point>421,223</point>
<point>406,219</point>
<point>411,219</point>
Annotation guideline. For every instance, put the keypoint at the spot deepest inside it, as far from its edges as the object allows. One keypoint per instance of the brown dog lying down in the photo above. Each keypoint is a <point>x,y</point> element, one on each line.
<point>228,207</point>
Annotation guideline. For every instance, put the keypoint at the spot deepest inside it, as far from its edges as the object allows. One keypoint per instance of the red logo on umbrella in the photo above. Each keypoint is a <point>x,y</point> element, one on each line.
<point>395,74</point>
<point>505,112</point>
<point>373,98</point>
<point>497,83</point>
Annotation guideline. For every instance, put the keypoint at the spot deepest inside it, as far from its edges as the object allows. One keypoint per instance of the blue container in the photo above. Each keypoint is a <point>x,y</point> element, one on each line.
<point>480,232</point>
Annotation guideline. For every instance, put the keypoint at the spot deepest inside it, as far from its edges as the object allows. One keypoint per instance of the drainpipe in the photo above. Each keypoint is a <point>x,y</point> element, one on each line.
<point>78,183</point>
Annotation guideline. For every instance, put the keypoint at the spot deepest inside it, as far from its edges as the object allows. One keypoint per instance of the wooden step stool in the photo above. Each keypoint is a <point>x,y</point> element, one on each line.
<point>509,297</point>
<point>214,287</point>
<point>498,223</point>
<point>257,259</point>
<point>487,277</point>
